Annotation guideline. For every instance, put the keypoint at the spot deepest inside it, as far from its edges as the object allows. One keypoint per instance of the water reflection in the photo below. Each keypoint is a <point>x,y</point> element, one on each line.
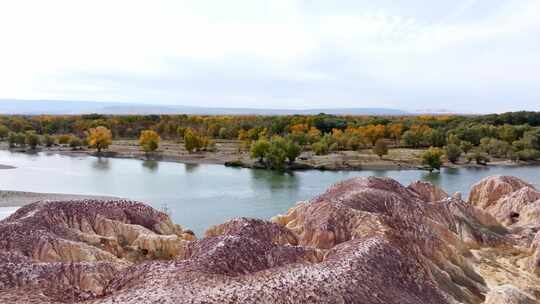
<point>191,168</point>
<point>381,173</point>
<point>150,165</point>
<point>102,164</point>
<point>273,180</point>
<point>451,171</point>
<point>432,177</point>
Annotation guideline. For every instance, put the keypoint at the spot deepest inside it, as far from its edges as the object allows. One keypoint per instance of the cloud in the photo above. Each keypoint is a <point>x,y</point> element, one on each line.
<point>461,55</point>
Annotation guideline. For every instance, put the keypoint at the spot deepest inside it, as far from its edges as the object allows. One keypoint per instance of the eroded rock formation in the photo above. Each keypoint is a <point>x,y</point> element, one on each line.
<point>70,250</point>
<point>365,240</point>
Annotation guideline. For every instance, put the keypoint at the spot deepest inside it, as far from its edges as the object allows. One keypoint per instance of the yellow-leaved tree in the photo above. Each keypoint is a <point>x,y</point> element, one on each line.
<point>99,138</point>
<point>149,140</point>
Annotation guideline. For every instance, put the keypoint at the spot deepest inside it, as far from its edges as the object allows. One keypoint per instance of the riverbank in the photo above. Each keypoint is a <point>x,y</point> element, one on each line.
<point>12,199</point>
<point>231,153</point>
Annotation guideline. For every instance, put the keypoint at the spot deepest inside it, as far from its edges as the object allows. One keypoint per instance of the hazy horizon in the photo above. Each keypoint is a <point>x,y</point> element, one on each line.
<point>464,56</point>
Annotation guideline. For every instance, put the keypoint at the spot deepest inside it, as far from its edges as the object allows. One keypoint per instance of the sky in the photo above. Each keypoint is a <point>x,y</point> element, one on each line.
<point>467,56</point>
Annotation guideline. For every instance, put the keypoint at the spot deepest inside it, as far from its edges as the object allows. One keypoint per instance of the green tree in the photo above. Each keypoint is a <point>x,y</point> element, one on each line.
<point>325,145</point>
<point>480,157</point>
<point>380,148</point>
<point>453,152</point>
<point>466,146</point>
<point>528,154</point>
<point>495,147</point>
<point>259,149</point>
<point>32,139</point>
<point>276,156</point>
<point>507,133</point>
<point>435,138</point>
<point>12,139</point>
<point>432,158</point>
<point>453,139</point>
<point>320,148</point>
<point>20,139</point>
<point>75,142</point>
<point>411,138</point>
<point>292,150</point>
<point>4,131</point>
<point>48,140</point>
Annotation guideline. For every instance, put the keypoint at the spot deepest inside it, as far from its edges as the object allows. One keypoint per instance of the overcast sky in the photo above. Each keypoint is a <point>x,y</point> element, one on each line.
<point>461,55</point>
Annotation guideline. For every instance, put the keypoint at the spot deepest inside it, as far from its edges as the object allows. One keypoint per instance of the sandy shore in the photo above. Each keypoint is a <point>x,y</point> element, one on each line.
<point>21,198</point>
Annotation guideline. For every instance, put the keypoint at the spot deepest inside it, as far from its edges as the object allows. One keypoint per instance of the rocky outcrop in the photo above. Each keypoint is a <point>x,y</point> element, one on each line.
<point>365,240</point>
<point>508,294</point>
<point>428,192</point>
<point>75,247</point>
<point>489,190</point>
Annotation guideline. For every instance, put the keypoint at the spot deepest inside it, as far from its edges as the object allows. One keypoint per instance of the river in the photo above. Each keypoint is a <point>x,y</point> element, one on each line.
<point>197,196</point>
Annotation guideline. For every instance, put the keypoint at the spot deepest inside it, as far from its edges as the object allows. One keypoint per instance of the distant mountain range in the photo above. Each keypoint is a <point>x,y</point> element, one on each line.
<point>55,107</point>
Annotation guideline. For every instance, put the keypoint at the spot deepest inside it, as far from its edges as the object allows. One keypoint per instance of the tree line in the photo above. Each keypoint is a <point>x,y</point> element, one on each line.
<point>276,141</point>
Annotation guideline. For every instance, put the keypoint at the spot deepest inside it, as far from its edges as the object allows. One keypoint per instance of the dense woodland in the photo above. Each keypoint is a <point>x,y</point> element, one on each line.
<point>514,135</point>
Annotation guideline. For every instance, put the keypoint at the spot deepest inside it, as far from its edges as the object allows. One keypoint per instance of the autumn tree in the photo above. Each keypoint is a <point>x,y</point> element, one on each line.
<point>149,140</point>
<point>380,148</point>
<point>313,135</point>
<point>417,136</point>
<point>373,132</point>
<point>395,131</point>
<point>192,141</point>
<point>299,128</point>
<point>63,139</point>
<point>99,138</point>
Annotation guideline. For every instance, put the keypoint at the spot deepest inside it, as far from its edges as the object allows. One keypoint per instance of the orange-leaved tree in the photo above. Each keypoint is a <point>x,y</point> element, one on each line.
<point>99,138</point>
<point>149,140</point>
